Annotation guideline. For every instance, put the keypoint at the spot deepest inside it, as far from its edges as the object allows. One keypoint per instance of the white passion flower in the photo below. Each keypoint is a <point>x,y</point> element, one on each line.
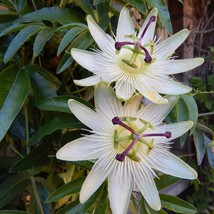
<point>135,63</point>
<point>130,144</point>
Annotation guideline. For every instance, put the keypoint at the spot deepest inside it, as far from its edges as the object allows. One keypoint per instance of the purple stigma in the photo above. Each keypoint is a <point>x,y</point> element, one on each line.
<point>117,121</point>
<point>148,57</point>
<point>119,45</point>
<point>152,19</point>
<point>166,134</point>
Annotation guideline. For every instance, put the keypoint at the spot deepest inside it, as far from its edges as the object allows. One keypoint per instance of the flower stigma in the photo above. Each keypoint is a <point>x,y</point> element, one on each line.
<point>127,140</point>
<point>137,46</point>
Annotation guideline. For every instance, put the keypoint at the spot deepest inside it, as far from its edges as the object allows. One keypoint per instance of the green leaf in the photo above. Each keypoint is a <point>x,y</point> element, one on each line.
<point>20,5</point>
<point>182,115</point>
<point>163,13</point>
<point>7,15</point>
<point>43,36</point>
<point>59,104</point>
<point>14,88</point>
<point>200,145</point>
<point>35,158</point>
<point>86,6</point>
<point>68,37</point>
<point>43,82</point>
<point>80,208</point>
<point>103,9</point>
<point>176,204</point>
<point>19,39</point>
<point>165,180</point>
<point>82,41</point>
<point>60,122</point>
<point>67,189</point>
<point>139,4</point>
<point>7,162</point>
<point>192,110</point>
<point>13,212</point>
<point>12,187</point>
<point>52,14</point>
<point>210,152</point>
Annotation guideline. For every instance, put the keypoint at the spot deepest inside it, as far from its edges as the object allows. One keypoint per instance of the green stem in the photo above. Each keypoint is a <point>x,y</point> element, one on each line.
<point>36,194</point>
<point>27,135</point>
<point>206,114</point>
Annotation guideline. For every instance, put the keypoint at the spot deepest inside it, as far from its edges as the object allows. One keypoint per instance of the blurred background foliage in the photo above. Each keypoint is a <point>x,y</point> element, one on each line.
<point>36,80</point>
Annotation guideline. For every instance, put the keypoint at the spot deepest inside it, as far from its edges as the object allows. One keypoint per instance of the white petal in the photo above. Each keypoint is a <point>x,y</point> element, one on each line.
<point>89,81</point>
<point>155,113</point>
<point>145,182</point>
<point>106,101</point>
<point>85,148</point>
<point>148,91</point>
<point>168,46</point>
<point>174,66</point>
<point>120,188</point>
<point>83,113</point>
<point>164,161</point>
<point>150,31</point>
<point>132,106</point>
<point>125,26</point>
<point>177,130</point>
<point>100,171</point>
<point>103,40</point>
<point>86,59</point>
<point>171,87</point>
<point>124,90</point>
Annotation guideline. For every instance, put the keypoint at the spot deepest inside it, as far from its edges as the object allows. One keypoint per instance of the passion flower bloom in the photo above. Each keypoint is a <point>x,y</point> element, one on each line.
<point>136,64</point>
<point>129,143</point>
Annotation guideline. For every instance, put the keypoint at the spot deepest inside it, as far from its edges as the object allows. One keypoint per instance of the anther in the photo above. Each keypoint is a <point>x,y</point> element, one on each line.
<point>152,19</point>
<point>117,121</point>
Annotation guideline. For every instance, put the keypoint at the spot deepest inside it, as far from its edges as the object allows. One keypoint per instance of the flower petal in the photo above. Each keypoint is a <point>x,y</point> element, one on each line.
<point>86,59</point>
<point>100,171</point>
<point>164,161</point>
<point>124,90</point>
<point>150,31</point>
<point>85,148</point>
<point>166,48</point>
<point>169,67</point>
<point>103,40</point>
<point>120,188</point>
<point>171,87</point>
<point>89,81</point>
<point>106,101</point>
<point>83,113</point>
<point>145,182</point>
<point>125,26</point>
<point>148,91</point>
<point>177,130</point>
<point>155,113</point>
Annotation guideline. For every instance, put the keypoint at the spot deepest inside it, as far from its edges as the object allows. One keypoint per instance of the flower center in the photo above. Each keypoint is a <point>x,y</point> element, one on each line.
<point>138,48</point>
<point>127,141</point>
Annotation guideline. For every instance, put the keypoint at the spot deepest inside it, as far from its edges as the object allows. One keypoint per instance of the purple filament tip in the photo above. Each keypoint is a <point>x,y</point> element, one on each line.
<point>152,19</point>
<point>119,45</point>
<point>120,157</point>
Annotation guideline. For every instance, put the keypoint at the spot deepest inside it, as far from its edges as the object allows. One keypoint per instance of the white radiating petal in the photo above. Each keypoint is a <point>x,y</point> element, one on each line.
<point>164,161</point>
<point>85,148</point>
<point>89,81</point>
<point>177,130</point>
<point>171,87</point>
<point>120,188</point>
<point>86,59</point>
<point>106,101</point>
<point>169,67</point>
<point>124,90</point>
<point>103,40</point>
<point>155,113</point>
<point>144,180</point>
<point>83,113</point>
<point>168,46</point>
<point>100,171</point>
<point>131,107</point>
<point>150,31</point>
<point>125,26</point>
